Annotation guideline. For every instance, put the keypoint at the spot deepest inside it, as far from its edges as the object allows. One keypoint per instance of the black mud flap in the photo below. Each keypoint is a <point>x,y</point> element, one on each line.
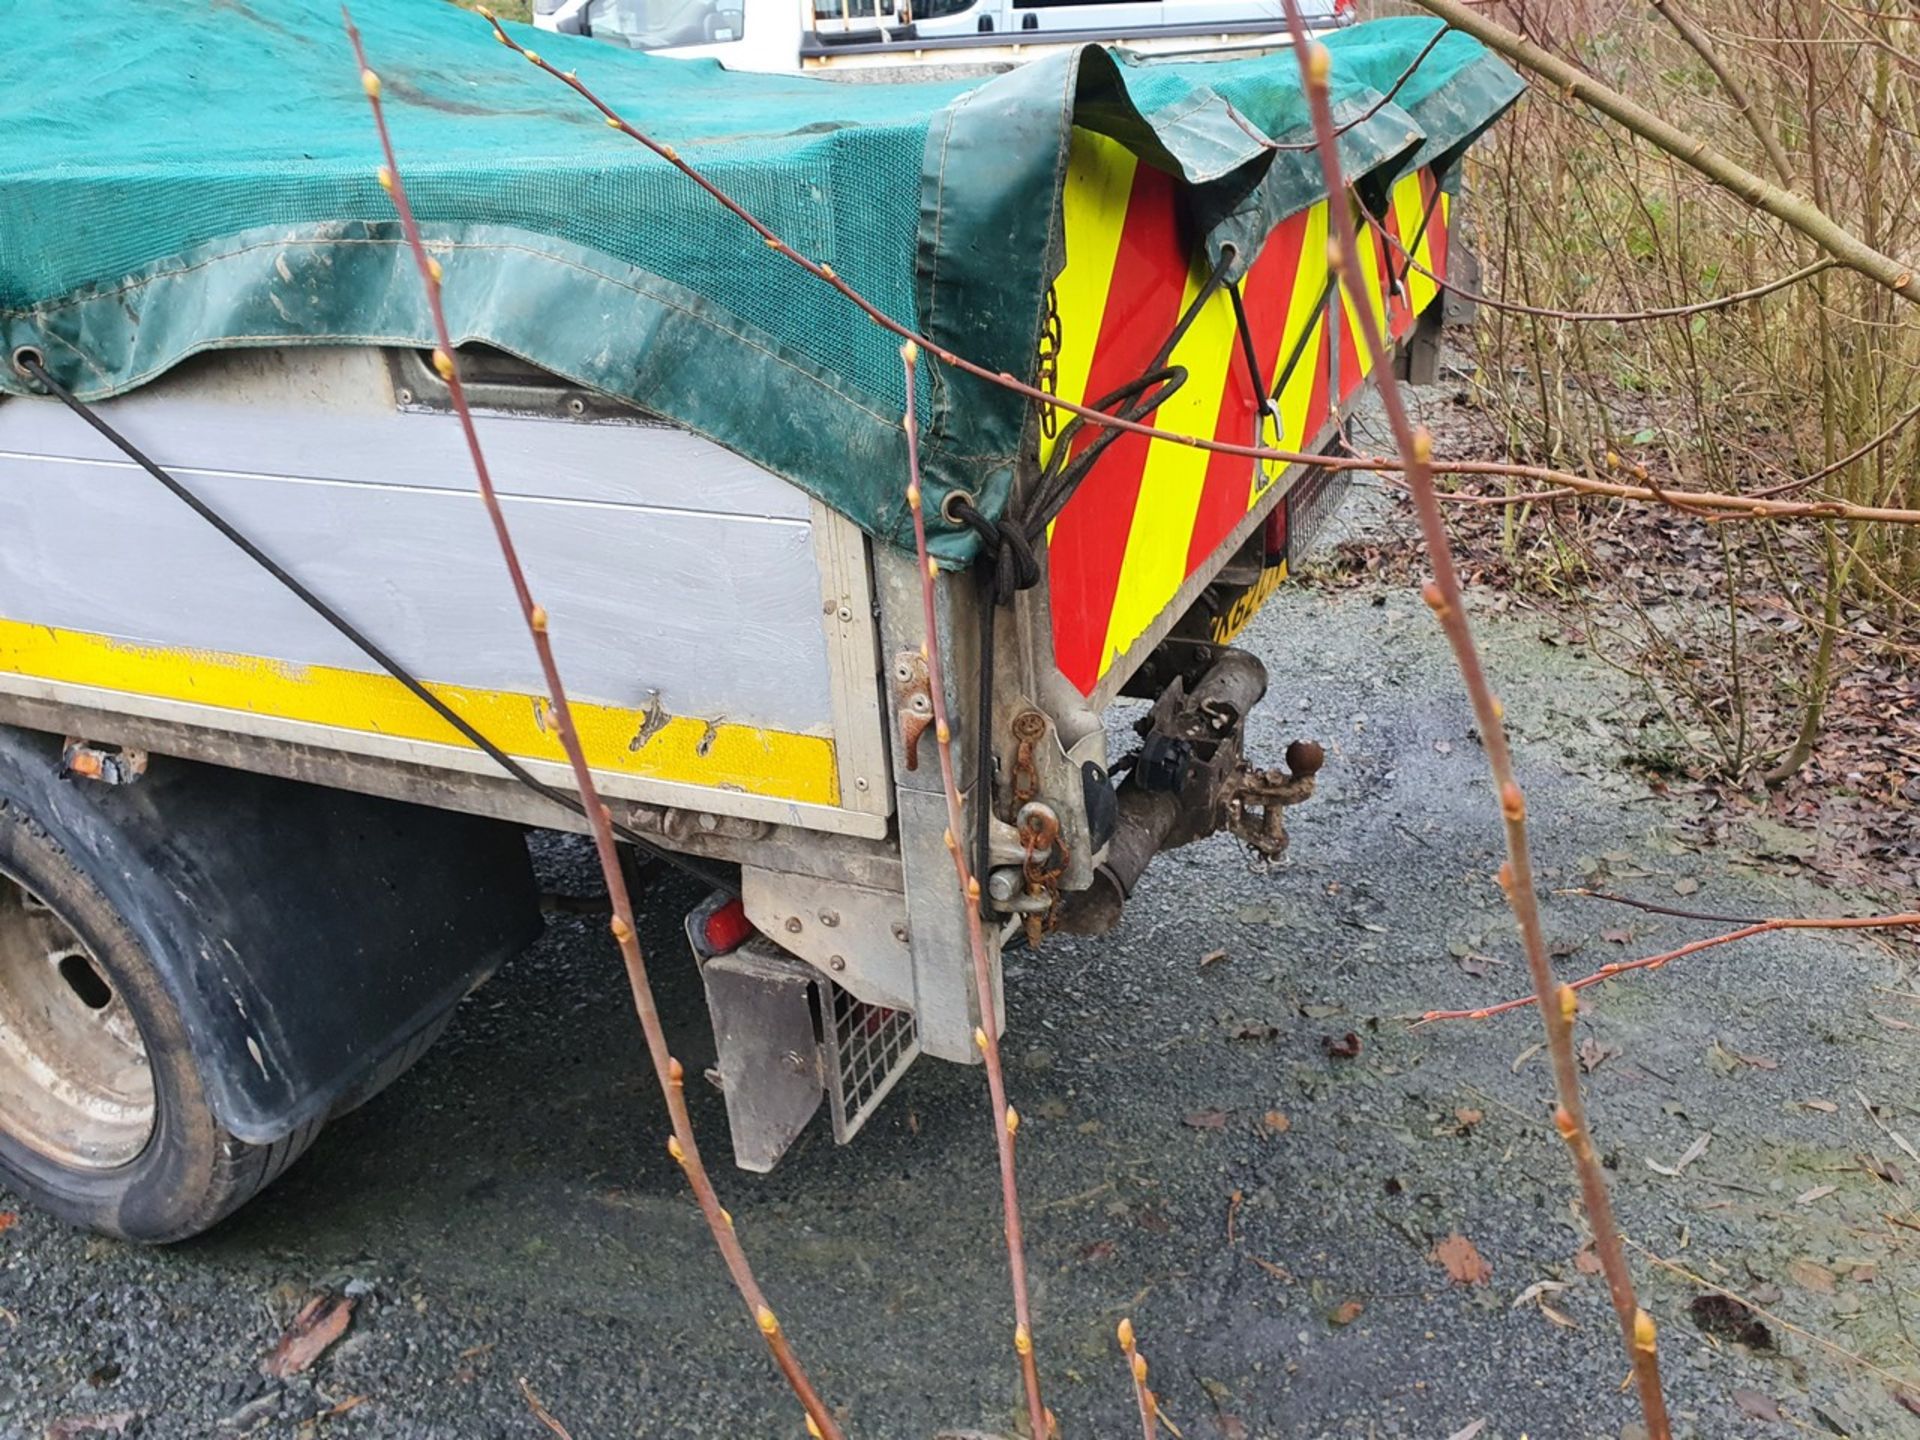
<point>306,935</point>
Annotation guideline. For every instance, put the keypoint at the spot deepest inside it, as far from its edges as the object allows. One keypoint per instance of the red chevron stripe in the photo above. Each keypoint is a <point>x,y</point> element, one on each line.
<point>1267,291</point>
<point>1090,536</point>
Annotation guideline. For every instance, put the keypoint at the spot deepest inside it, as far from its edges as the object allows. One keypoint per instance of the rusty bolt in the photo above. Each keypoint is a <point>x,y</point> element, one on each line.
<point>1029,725</point>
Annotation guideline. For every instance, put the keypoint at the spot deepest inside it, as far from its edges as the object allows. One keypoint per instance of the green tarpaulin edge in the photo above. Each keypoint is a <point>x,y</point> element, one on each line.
<point>989,243</point>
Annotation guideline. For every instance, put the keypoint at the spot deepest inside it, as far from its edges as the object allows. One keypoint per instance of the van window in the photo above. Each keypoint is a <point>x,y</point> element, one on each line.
<point>659,24</point>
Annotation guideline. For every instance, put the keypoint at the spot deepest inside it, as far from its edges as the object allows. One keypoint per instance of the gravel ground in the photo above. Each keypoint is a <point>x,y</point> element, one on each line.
<point>1195,1153</point>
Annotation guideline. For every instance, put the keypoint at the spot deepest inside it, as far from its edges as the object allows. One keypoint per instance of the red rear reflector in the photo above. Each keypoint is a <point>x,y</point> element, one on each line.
<point>1276,532</point>
<point>728,928</point>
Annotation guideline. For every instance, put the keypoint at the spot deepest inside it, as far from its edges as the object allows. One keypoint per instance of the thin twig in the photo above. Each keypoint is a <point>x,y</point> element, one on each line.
<point>1665,957</point>
<point>1654,909</point>
<point>986,1035</point>
<point>667,1070</point>
<point>1443,595</point>
<point>541,1413</point>
<point>1137,1372</point>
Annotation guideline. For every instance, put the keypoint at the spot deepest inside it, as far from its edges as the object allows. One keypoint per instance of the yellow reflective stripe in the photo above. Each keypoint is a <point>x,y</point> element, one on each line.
<point>1155,565</point>
<point>684,749</point>
<point>1409,207</point>
<point>1369,275</point>
<point>1304,308</point>
<point>1093,212</point>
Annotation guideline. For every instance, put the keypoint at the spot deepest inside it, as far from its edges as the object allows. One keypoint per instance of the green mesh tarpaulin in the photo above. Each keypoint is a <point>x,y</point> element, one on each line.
<point>178,177</point>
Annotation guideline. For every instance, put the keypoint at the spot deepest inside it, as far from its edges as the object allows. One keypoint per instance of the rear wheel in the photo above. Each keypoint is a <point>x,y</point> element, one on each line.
<point>104,1119</point>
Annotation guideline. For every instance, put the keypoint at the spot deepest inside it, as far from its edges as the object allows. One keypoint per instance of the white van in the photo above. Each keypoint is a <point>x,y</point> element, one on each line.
<point>789,35</point>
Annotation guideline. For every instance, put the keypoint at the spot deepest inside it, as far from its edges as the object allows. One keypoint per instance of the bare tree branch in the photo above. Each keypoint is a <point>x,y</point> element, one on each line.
<point>1783,204</point>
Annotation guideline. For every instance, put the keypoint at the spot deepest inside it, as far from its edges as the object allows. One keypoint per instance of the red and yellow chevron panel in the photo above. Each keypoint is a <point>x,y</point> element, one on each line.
<point>1151,512</point>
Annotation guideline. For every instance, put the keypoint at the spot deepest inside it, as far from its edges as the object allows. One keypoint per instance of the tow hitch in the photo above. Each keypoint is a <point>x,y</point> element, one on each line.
<point>1191,779</point>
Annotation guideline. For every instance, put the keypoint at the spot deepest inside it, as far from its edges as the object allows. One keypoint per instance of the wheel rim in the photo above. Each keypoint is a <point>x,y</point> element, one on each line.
<point>75,1082</point>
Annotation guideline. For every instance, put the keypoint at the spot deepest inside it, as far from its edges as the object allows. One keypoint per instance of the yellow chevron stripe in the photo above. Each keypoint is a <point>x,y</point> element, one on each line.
<point>1408,208</point>
<point>1093,208</point>
<point>685,749</point>
<point>1369,277</point>
<point>1155,565</point>
<point>1303,309</point>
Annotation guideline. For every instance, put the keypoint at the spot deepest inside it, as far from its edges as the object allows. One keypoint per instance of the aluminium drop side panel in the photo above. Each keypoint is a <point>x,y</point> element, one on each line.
<point>711,621</point>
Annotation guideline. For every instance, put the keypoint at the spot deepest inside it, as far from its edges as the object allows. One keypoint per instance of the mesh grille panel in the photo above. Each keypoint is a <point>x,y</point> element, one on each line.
<point>868,1048</point>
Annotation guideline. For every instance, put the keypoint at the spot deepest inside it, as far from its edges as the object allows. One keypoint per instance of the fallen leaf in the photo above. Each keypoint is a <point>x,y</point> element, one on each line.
<point>1535,1291</point>
<point>1212,957</point>
<point>1347,1313</point>
<point>321,1321</point>
<point>1819,1192</point>
<point>1693,1153</point>
<point>1467,1432</point>
<point>1469,1118</point>
<point>1462,1261</point>
<point>1882,1169</point>
<point>1275,1122</point>
<point>1098,1253</point>
<point>1757,1405</point>
<point>1565,1322</point>
<point>1686,885</point>
<point>1906,1401</point>
<point>1810,1276</point>
<point>1593,1054</point>
<point>1825,1107</point>
<point>1726,1318</point>
<point>1617,937</point>
<point>1230,1426</point>
<point>7,1221</point>
<point>1345,1048</point>
<point>351,1403</point>
<point>1206,1120</point>
<point>1526,1055</point>
<point>1251,1030</point>
<point>1587,1260</point>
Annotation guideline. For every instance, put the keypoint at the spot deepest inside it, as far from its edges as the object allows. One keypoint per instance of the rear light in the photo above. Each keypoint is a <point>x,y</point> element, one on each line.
<point>1275,534</point>
<point>726,928</point>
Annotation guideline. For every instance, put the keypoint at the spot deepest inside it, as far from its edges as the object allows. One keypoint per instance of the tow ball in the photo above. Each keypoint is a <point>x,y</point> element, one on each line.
<point>1191,779</point>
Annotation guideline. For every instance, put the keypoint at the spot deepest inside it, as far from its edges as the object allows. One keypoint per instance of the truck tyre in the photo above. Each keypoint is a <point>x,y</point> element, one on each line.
<point>104,1119</point>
